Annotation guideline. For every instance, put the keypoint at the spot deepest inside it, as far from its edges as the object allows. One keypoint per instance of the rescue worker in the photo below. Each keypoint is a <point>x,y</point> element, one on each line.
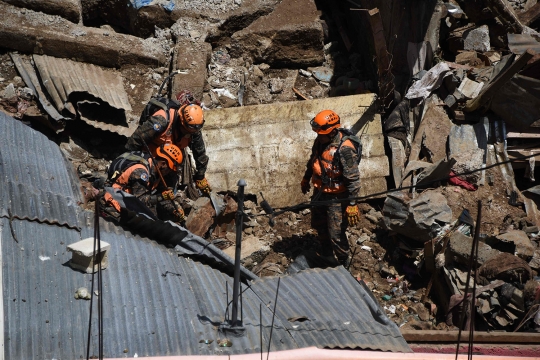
<point>182,127</point>
<point>135,173</point>
<point>333,170</point>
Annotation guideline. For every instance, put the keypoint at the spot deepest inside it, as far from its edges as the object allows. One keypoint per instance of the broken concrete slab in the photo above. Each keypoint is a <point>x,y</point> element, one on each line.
<point>468,145</point>
<point>419,219</point>
<point>274,39</point>
<point>191,59</point>
<point>477,39</point>
<point>433,131</point>
<point>524,248</point>
<point>68,9</point>
<point>30,32</point>
<point>459,249</point>
<point>250,245</point>
<point>269,145</point>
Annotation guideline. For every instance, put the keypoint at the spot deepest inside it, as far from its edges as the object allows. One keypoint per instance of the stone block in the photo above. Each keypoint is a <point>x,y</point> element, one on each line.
<point>477,39</point>
<point>68,9</point>
<point>273,39</point>
<point>83,255</point>
<point>201,216</point>
<point>24,31</point>
<point>524,247</point>
<point>269,145</point>
<point>459,248</point>
<point>191,58</point>
<point>250,245</point>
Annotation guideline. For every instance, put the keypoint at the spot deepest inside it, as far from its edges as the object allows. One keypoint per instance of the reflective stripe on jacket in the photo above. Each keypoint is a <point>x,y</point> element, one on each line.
<point>122,182</point>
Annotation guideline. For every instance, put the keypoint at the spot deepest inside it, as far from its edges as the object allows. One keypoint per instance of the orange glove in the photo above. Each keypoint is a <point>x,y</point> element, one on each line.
<point>203,186</point>
<point>353,214</point>
<point>304,185</point>
<point>168,195</point>
<point>179,215</point>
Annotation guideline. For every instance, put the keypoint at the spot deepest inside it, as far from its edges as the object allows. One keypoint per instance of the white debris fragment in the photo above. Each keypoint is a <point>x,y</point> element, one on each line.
<point>44,258</point>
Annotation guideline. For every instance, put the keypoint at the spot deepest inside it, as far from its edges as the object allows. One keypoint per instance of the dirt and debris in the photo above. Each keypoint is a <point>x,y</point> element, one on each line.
<point>460,94</point>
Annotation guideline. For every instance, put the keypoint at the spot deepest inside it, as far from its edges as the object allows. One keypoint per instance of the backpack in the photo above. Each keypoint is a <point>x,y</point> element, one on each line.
<point>123,162</point>
<point>349,135</point>
<point>157,103</point>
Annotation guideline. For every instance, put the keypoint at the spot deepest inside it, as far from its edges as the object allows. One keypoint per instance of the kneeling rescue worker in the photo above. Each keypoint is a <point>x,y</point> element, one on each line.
<point>135,173</point>
<point>333,170</point>
<point>180,127</point>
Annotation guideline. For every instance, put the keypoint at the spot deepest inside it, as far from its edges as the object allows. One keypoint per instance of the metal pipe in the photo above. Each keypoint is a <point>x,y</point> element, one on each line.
<point>239,224</point>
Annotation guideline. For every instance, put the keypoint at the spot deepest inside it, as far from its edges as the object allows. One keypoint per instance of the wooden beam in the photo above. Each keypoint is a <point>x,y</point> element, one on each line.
<point>383,58</point>
<point>489,91</point>
<point>530,15</point>
<point>494,337</point>
<point>520,135</point>
<point>506,15</point>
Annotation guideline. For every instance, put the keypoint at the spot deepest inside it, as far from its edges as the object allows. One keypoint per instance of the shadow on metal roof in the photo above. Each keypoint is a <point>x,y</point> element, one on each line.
<point>156,303</point>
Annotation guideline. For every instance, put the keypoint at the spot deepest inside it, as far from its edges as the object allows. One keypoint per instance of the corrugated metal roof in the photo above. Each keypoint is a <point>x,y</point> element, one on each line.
<point>155,303</point>
<point>185,243</point>
<point>35,182</point>
<point>342,312</point>
<point>90,88</point>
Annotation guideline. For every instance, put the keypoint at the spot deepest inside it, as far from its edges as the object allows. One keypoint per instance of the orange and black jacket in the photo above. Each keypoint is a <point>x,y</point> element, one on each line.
<point>332,171</point>
<point>158,130</point>
<point>138,178</point>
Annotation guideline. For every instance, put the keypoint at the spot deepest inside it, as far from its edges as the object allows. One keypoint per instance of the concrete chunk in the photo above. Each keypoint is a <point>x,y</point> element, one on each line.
<point>459,248</point>
<point>191,58</point>
<point>83,255</point>
<point>524,246</point>
<point>477,39</point>
<point>250,245</point>
<point>68,9</point>
<point>30,32</point>
<point>273,39</point>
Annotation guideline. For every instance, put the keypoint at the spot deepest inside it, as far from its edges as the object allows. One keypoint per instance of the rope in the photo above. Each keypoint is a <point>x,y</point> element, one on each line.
<point>309,204</point>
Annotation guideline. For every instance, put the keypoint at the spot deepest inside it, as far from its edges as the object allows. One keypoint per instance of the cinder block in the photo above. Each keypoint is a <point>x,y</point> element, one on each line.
<point>83,255</point>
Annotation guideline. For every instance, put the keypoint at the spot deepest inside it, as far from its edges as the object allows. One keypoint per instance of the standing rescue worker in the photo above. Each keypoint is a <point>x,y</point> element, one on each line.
<point>333,170</point>
<point>180,127</point>
<point>135,173</point>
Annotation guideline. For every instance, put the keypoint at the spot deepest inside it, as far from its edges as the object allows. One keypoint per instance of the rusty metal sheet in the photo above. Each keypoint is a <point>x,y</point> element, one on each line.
<point>30,78</point>
<point>85,90</point>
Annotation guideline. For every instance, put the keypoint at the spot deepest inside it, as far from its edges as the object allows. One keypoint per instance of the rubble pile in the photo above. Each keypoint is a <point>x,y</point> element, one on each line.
<point>460,112</point>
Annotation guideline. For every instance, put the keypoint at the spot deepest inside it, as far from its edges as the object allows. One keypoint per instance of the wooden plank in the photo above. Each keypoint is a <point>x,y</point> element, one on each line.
<point>384,64</point>
<point>489,91</point>
<point>493,337</point>
<point>530,15</point>
<point>520,135</point>
<point>506,15</point>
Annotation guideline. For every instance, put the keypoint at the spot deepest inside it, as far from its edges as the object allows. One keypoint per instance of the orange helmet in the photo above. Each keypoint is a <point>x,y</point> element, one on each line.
<point>324,122</point>
<point>192,118</point>
<point>172,154</point>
